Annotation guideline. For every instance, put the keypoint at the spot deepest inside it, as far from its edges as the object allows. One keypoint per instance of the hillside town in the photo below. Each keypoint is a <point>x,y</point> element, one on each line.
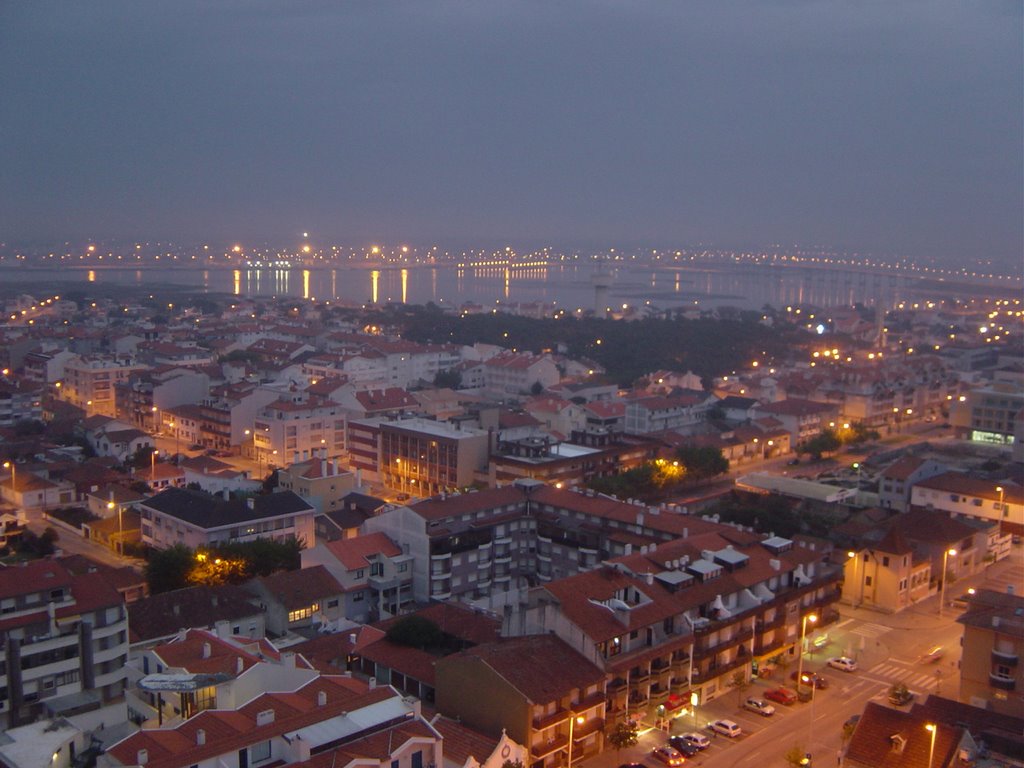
<point>253,532</point>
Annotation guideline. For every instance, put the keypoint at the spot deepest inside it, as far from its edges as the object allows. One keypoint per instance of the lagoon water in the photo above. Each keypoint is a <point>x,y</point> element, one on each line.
<point>570,286</point>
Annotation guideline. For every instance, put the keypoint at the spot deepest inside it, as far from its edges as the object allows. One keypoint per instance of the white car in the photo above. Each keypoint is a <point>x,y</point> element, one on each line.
<point>844,663</point>
<point>760,706</point>
<point>726,728</point>
<point>699,740</point>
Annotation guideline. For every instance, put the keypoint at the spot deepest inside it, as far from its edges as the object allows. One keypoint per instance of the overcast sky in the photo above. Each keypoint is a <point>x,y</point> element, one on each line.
<point>875,126</point>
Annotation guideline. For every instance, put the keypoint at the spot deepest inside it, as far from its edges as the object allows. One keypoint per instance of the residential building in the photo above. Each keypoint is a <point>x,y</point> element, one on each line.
<point>297,428</point>
<point>896,739</point>
<point>898,479</point>
<point>227,609</point>
<point>417,457</point>
<point>20,400</point>
<point>991,674</point>
<point>537,689</point>
<point>988,414</point>
<point>228,415</point>
<point>803,419</point>
<point>517,373</point>
<point>374,572</point>
<point>1001,735</point>
<point>889,576</point>
<point>320,481</point>
<point>62,635</point>
<point>142,399</point>
<point>961,494</point>
<point>90,381</point>
<point>296,600</point>
<point>679,410</point>
<point>197,519</point>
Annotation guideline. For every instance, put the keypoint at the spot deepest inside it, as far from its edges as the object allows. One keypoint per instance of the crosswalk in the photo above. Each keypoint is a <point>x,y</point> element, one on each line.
<point>913,678</point>
<point>869,630</point>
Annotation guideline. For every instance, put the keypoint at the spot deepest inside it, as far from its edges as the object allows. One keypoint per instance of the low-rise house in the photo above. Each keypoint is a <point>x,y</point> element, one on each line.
<point>960,494</point>
<point>803,419</point>
<point>891,738</point>
<point>298,600</point>
<point>319,481</point>
<point>898,479</point>
<point>197,519</point>
<point>228,609</point>
<point>343,523</point>
<point>374,572</point>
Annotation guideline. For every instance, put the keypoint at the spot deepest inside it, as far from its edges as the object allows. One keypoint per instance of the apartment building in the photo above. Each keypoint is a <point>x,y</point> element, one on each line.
<point>197,519</point>
<point>516,373</point>
<point>20,400</point>
<point>417,457</point>
<point>62,635</point>
<point>90,381</point>
<point>537,689</point>
<point>142,399</point>
<point>988,414</point>
<point>898,479</point>
<point>298,427</point>
<point>991,674</point>
<point>803,419</point>
<point>678,411</point>
<point>320,481</point>
<point>227,416</point>
<point>685,616</point>
<point>889,576</point>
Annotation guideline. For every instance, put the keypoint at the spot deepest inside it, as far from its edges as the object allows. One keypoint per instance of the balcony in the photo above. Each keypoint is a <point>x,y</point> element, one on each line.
<point>1004,659</point>
<point>1002,682</point>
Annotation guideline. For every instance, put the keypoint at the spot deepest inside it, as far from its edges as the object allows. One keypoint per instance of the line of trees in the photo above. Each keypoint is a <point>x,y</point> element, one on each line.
<point>232,563</point>
<point>657,479</point>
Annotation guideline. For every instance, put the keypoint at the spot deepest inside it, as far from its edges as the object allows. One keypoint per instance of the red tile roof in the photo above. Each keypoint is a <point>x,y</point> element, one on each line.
<point>354,553</point>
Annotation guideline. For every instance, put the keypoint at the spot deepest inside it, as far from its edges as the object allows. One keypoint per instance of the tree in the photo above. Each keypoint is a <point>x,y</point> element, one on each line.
<point>142,458</point>
<point>826,442</point>
<point>623,735</point>
<point>740,682</point>
<point>702,462</point>
<point>416,632</point>
<point>450,378</point>
<point>169,569</point>
<point>536,388</point>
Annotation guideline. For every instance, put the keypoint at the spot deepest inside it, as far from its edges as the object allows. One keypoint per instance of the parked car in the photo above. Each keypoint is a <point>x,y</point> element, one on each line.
<point>760,706</point>
<point>699,740</point>
<point>668,755</point>
<point>814,679</point>
<point>683,747</point>
<point>785,696</point>
<point>844,663</point>
<point>726,728</point>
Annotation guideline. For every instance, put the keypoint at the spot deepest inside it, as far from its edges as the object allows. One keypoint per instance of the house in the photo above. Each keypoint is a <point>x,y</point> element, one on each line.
<point>344,522</point>
<point>889,576</point>
<point>1002,735</point>
<point>536,688</point>
<point>298,600</point>
<point>803,419</point>
<point>898,479</point>
<point>891,738</point>
<point>226,608</point>
<point>216,477</point>
<point>959,493</point>
<point>991,675</point>
<point>374,572</point>
<point>679,409</point>
<point>465,747</point>
<point>197,519</point>
<point>319,481</point>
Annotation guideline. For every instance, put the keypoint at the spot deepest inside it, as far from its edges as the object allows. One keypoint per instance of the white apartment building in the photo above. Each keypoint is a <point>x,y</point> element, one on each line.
<point>297,428</point>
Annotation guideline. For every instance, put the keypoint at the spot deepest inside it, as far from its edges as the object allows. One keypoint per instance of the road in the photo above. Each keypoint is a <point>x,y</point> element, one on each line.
<point>888,649</point>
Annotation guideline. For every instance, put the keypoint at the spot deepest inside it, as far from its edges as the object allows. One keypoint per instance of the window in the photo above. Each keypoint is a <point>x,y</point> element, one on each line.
<point>260,752</point>
<point>885,562</point>
<point>867,581</point>
<point>361,573</point>
<point>403,567</point>
<point>376,569</point>
<point>358,597</point>
<point>332,603</point>
<point>417,759</point>
<point>303,613</point>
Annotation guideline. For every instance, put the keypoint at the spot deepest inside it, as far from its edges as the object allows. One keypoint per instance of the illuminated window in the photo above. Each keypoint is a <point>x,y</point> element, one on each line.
<point>303,613</point>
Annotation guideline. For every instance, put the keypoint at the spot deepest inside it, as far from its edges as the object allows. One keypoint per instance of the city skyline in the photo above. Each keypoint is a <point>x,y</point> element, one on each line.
<point>871,129</point>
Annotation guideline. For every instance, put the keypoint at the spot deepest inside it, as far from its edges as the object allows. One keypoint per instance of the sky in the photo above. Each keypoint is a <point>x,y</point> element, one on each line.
<point>874,126</point>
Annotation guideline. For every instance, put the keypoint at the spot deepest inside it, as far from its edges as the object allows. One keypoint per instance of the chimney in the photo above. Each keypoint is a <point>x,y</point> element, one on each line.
<point>250,503</point>
<point>352,638</point>
<point>142,756</point>
<point>239,665</point>
<point>775,564</point>
<point>222,628</point>
<point>288,659</point>
<point>1010,589</point>
<point>207,650</point>
<point>265,717</point>
<point>995,622</point>
<point>200,737</point>
<point>301,749</point>
<point>321,698</point>
<point>323,467</point>
<point>373,683</point>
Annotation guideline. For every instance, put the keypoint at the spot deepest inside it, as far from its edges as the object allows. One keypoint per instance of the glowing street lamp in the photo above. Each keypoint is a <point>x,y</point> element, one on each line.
<point>573,720</point>
<point>14,475</point>
<point>942,588</point>
<point>812,617</point>
<point>856,561</point>
<point>932,729</point>
<point>1002,500</point>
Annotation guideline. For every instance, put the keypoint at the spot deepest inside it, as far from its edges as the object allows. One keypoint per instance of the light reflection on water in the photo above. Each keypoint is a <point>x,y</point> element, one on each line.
<point>569,286</point>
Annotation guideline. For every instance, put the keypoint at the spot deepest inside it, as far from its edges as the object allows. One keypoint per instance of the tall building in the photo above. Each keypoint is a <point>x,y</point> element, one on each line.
<point>991,674</point>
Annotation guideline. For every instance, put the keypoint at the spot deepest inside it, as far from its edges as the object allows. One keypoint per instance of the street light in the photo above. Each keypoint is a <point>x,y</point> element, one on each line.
<point>173,425</point>
<point>853,556</point>
<point>14,475</point>
<point>573,719</point>
<point>1002,500</point>
<point>694,701</point>
<point>803,634</point>
<point>810,725</point>
<point>932,729</point>
<point>120,527</point>
<point>942,588</point>
<point>156,420</point>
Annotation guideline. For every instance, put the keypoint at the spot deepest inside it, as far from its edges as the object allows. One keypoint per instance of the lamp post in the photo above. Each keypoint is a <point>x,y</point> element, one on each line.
<point>156,420</point>
<point>932,729</point>
<point>1002,500</point>
<point>853,556</point>
<point>800,658</point>
<point>14,475</point>
<point>694,701</point>
<point>573,719</point>
<point>174,426</point>
<point>152,465</point>
<point>942,587</point>
<point>120,527</point>
<point>810,725</point>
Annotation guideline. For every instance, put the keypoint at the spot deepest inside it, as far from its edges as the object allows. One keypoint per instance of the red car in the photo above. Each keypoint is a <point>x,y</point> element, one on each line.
<point>781,695</point>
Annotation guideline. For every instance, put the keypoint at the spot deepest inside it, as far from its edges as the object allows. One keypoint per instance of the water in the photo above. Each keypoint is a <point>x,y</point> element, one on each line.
<point>570,286</point>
